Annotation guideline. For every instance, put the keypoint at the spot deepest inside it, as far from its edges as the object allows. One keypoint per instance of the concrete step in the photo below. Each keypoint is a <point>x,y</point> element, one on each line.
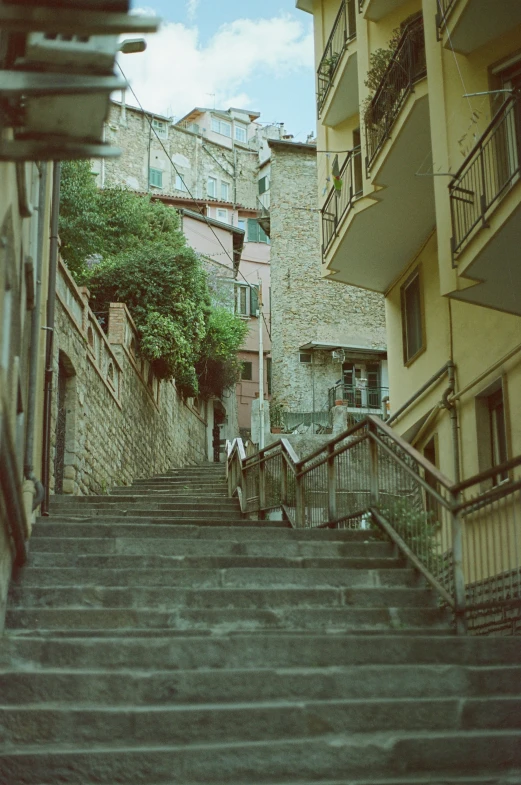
<point>98,687</point>
<point>173,485</point>
<point>383,755</point>
<point>251,651</point>
<point>116,561</point>
<point>142,502</point>
<point>135,511</point>
<point>150,546</point>
<point>165,598</point>
<point>207,521</point>
<point>255,721</point>
<point>243,577</point>
<point>48,527</point>
<point>227,620</point>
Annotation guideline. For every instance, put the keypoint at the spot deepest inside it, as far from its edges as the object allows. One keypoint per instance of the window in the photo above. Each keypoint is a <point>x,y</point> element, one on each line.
<point>246,371</point>
<point>412,317</point>
<point>222,215</point>
<point>212,187</point>
<point>221,127</point>
<point>225,191</point>
<point>491,430</point>
<point>264,185</point>
<point>256,233</point>
<point>268,373</point>
<point>160,127</point>
<point>362,384</point>
<point>240,133</point>
<point>156,178</point>
<point>305,357</point>
<point>180,183</point>
<point>246,300</point>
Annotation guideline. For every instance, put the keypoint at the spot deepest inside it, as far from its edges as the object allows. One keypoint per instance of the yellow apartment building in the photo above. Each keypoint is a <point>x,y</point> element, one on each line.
<point>419,110</point>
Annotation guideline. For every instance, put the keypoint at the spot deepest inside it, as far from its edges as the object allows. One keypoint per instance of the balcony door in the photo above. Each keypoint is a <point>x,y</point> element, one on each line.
<point>362,384</point>
<point>508,138</point>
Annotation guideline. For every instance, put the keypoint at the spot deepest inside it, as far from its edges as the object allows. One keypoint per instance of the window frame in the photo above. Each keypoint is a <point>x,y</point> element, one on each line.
<point>213,180</point>
<point>160,127</point>
<point>179,178</point>
<point>416,275</point>
<point>250,364</point>
<point>224,219</point>
<point>485,425</point>
<point>216,121</point>
<point>305,354</point>
<point>225,187</point>
<point>240,127</point>
<point>240,289</point>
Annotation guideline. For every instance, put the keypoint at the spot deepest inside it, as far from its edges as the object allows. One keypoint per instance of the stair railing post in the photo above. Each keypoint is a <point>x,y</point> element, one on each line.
<point>331,483</point>
<point>458,576</point>
<point>374,486</point>
<point>262,488</point>
<point>283,481</point>
<point>300,509</point>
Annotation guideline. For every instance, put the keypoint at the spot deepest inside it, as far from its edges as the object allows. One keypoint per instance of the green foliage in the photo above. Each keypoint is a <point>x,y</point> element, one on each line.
<point>418,527</point>
<point>276,414</point>
<point>128,248</point>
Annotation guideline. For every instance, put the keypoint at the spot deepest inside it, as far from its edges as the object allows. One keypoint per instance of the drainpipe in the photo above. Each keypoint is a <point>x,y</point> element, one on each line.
<point>51,301</point>
<point>35,341</point>
<point>451,408</point>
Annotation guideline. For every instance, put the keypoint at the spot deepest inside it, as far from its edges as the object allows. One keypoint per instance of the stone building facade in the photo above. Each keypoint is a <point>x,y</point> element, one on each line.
<point>112,420</point>
<point>313,317</point>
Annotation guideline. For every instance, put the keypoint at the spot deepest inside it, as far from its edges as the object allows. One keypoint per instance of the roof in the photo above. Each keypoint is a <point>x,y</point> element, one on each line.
<point>224,112</point>
<point>141,111</point>
<point>310,148</point>
<point>305,5</point>
<point>212,221</point>
<point>177,199</point>
<point>324,346</point>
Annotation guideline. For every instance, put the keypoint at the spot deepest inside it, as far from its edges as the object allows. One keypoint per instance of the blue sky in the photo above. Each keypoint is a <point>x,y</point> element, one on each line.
<point>251,54</point>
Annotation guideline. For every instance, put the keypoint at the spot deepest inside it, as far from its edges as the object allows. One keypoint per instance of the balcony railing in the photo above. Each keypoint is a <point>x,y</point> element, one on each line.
<point>263,212</point>
<point>344,30</point>
<point>367,399</point>
<point>444,9</point>
<point>340,201</point>
<point>463,539</point>
<point>407,67</point>
<point>487,174</point>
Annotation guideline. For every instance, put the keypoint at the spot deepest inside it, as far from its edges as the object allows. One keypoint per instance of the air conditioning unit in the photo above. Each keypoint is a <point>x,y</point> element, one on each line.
<point>338,355</point>
<point>86,53</point>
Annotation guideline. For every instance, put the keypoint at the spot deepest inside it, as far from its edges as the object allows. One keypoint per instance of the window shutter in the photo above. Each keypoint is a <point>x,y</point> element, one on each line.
<point>254,300</point>
<point>263,237</point>
<point>253,231</point>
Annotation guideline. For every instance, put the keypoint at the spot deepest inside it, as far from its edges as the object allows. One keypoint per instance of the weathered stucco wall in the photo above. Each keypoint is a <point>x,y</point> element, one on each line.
<point>118,421</point>
<point>304,306</point>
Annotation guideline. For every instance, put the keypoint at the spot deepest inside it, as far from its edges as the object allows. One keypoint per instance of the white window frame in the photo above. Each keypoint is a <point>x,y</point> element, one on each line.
<point>242,291</point>
<point>225,187</point>
<point>306,355</point>
<point>222,215</point>
<point>160,127</point>
<point>218,126</point>
<point>212,180</point>
<point>242,128</point>
<point>180,183</point>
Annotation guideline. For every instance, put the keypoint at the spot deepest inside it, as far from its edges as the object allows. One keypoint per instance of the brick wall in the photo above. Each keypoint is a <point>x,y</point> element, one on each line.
<point>121,423</point>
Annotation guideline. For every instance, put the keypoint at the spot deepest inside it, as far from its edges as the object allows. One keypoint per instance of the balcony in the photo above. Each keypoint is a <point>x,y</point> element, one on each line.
<point>340,201</point>
<point>377,9</point>
<point>466,25</point>
<point>407,67</point>
<point>337,74</point>
<point>359,400</point>
<point>263,212</point>
<point>485,200</point>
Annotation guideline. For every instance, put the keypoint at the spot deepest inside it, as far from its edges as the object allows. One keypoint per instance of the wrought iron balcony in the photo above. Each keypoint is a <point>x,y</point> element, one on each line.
<point>367,399</point>
<point>340,200</point>
<point>487,174</point>
<point>344,31</point>
<point>407,67</point>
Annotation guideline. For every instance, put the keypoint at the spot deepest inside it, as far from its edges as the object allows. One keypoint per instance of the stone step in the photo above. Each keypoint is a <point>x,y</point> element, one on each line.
<point>47,527</point>
<point>164,598</point>
<point>243,577</point>
<point>226,619</point>
<point>383,755</point>
<point>151,687</point>
<point>173,485</point>
<point>206,521</point>
<point>249,722</point>
<point>118,561</point>
<point>141,502</point>
<point>178,513</point>
<point>252,651</point>
<point>144,546</point>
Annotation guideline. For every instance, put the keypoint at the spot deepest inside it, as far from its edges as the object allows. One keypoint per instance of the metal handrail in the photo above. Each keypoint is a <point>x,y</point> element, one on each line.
<point>344,31</point>
<point>444,9</point>
<point>340,199</point>
<point>369,472</point>
<point>486,175</point>
<point>407,67</point>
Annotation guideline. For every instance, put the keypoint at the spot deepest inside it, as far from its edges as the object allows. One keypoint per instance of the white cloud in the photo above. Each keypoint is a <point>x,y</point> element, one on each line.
<point>177,72</point>
<point>191,8</point>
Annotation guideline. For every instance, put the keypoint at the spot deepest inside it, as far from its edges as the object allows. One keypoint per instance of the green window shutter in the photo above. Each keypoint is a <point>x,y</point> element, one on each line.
<point>253,231</point>
<point>156,178</point>
<point>254,300</point>
<point>263,186</point>
<point>263,237</point>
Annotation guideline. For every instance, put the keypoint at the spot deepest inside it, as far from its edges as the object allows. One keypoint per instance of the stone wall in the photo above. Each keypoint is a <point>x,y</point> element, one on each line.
<point>118,421</point>
<point>305,306</point>
<point>195,158</point>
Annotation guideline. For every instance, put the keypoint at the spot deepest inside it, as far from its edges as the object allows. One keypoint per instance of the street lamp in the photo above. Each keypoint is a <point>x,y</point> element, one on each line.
<point>131,46</point>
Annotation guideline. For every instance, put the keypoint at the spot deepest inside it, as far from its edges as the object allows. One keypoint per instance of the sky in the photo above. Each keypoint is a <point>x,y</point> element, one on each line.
<point>221,53</point>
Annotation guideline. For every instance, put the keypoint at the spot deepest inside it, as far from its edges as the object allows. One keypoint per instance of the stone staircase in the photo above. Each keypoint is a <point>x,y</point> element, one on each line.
<point>156,637</point>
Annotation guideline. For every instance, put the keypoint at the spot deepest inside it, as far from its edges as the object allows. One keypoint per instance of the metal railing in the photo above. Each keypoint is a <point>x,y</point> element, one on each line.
<point>365,398</point>
<point>464,539</point>
<point>344,31</point>
<point>444,9</point>
<point>340,200</point>
<point>487,173</point>
<point>407,67</point>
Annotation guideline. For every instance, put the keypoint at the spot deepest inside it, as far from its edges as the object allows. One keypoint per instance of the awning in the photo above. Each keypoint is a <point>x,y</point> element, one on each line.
<point>325,346</point>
